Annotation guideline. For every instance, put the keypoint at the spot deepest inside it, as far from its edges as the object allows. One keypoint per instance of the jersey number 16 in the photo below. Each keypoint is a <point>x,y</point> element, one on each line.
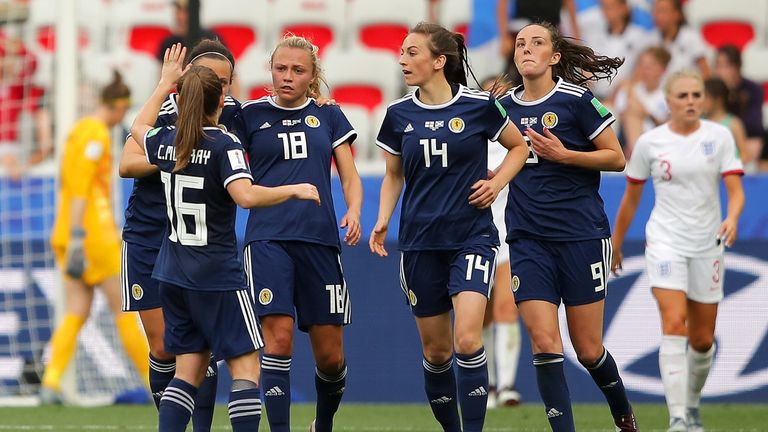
<point>179,232</point>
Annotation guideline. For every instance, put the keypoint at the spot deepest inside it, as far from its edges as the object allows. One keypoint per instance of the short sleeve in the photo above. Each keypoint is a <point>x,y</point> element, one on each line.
<point>232,164</point>
<point>88,149</point>
<point>730,163</point>
<point>390,139</point>
<point>341,129</point>
<point>592,116</point>
<point>151,143</point>
<point>639,165</point>
<point>495,119</point>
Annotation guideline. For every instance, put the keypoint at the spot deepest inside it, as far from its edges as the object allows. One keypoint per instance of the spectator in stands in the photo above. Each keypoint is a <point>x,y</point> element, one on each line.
<point>85,240</point>
<point>640,103</point>
<point>449,245</point>
<point>685,237</point>
<point>619,37</point>
<point>745,99</point>
<point>684,43</point>
<point>483,39</point>
<point>180,30</point>
<point>524,12</point>
<point>714,108</point>
<point>17,95</point>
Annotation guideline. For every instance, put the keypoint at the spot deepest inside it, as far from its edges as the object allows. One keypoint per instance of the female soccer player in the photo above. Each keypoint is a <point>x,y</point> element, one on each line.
<point>205,301</point>
<point>685,236</point>
<point>144,230</point>
<point>85,240</point>
<point>436,141</point>
<point>292,250</point>
<point>557,230</point>
<point>714,107</point>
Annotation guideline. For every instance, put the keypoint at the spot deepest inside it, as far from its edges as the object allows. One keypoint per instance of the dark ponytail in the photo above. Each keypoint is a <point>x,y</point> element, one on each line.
<point>199,93</point>
<point>115,91</point>
<point>579,63</point>
<point>452,45</point>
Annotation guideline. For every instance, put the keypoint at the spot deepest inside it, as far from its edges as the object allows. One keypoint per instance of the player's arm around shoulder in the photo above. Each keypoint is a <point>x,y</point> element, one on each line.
<point>133,161</point>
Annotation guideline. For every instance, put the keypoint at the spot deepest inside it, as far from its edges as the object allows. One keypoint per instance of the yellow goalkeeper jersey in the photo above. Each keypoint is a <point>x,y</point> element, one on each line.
<point>86,172</point>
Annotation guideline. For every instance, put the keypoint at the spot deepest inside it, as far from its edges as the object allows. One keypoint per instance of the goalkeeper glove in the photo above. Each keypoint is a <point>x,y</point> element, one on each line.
<point>75,264</point>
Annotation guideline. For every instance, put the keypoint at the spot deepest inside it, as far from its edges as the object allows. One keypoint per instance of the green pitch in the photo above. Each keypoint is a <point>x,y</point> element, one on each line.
<point>383,418</point>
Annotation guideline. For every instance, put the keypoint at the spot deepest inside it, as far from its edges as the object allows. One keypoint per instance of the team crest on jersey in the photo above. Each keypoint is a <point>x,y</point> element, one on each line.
<point>549,119</point>
<point>265,296</point>
<point>456,125</point>
<point>515,283</point>
<point>434,125</point>
<point>528,121</point>
<point>412,297</point>
<point>708,147</point>
<point>311,121</point>
<point>137,292</point>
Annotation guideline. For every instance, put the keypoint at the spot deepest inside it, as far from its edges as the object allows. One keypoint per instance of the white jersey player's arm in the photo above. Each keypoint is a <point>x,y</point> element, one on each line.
<point>624,216</point>
<point>735,190</point>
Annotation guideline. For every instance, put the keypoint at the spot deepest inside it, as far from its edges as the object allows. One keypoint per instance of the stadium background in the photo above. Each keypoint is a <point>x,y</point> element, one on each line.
<point>381,344</point>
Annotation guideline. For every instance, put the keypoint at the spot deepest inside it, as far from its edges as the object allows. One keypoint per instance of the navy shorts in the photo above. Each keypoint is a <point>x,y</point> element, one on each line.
<point>575,272</point>
<point>140,291</point>
<point>221,321</point>
<point>300,279</point>
<point>430,278</point>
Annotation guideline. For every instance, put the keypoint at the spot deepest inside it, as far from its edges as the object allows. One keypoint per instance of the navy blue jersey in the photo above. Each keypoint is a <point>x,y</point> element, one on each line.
<point>199,249</point>
<point>288,146</point>
<point>549,200</point>
<point>444,150</point>
<point>145,213</point>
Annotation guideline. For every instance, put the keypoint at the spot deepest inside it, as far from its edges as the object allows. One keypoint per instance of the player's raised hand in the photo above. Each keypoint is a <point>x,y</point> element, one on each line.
<point>306,191</point>
<point>378,235</point>
<point>547,146</point>
<point>321,100</point>
<point>351,221</point>
<point>484,193</point>
<point>173,64</point>
<point>727,232</point>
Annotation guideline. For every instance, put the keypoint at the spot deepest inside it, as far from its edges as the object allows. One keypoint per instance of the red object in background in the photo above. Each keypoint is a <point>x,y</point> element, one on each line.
<point>257,92</point>
<point>384,36</point>
<point>46,38</point>
<point>238,38</point>
<point>147,38</point>
<point>319,35</point>
<point>765,91</point>
<point>463,29</point>
<point>721,33</point>
<point>16,92</point>
<point>366,95</point>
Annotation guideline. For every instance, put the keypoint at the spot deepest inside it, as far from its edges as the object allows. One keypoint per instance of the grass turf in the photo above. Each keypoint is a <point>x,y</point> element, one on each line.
<point>381,417</point>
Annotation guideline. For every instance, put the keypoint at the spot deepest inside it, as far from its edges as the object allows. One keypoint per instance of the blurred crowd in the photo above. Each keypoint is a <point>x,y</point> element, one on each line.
<point>652,50</point>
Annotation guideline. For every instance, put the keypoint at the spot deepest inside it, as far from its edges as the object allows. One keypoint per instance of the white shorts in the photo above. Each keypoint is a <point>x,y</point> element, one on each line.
<point>498,208</point>
<point>700,278</point>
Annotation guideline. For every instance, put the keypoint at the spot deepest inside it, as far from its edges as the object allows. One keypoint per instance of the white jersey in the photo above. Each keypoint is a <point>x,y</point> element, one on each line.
<point>496,155</point>
<point>686,173</point>
<point>686,49</point>
<point>627,45</point>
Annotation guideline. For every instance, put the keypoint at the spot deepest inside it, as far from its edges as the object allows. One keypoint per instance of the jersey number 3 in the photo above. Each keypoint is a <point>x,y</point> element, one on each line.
<point>179,232</point>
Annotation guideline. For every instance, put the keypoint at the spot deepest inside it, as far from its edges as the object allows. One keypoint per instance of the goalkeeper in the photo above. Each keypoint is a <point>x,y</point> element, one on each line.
<point>85,240</point>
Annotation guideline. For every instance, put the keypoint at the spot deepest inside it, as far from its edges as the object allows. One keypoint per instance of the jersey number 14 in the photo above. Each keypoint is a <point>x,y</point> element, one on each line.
<point>431,149</point>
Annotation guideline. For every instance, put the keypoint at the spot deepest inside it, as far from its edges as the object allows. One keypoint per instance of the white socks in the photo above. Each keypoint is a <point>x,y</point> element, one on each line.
<point>674,373</point>
<point>507,354</point>
<point>490,352</point>
<point>699,364</point>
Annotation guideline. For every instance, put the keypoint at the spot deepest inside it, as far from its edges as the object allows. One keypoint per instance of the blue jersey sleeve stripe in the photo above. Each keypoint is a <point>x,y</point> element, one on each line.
<point>387,148</point>
<point>501,129</point>
<point>352,133</point>
<point>602,127</point>
<point>237,176</point>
